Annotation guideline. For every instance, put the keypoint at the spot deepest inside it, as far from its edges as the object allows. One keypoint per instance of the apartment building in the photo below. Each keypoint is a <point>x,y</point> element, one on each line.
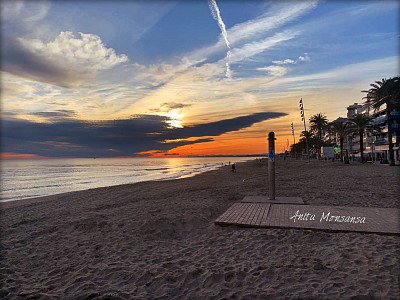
<point>380,128</point>
<point>376,143</point>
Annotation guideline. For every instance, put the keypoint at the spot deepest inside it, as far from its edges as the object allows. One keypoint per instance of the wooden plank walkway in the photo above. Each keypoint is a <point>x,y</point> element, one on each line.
<point>244,214</point>
<point>333,218</point>
<point>265,199</point>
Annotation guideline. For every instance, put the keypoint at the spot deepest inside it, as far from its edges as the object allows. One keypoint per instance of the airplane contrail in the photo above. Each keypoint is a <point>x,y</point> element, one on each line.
<point>217,17</point>
<point>228,68</point>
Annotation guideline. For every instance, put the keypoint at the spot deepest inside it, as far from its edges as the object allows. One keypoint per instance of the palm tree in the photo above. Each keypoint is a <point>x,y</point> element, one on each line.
<point>318,123</point>
<point>340,127</point>
<point>359,123</point>
<point>386,92</point>
<point>309,140</point>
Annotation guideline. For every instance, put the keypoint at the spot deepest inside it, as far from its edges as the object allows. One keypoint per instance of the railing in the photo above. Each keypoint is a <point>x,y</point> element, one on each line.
<point>382,141</point>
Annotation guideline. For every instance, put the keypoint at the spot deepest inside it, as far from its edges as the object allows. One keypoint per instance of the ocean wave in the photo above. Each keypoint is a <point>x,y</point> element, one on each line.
<point>156,169</point>
<point>38,179</point>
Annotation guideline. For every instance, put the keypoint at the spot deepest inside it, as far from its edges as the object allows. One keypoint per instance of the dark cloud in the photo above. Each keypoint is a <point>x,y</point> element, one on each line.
<point>75,138</point>
<point>223,126</point>
<point>167,106</point>
<point>84,139</point>
<point>174,105</point>
<point>185,142</point>
<point>20,61</point>
<point>56,115</point>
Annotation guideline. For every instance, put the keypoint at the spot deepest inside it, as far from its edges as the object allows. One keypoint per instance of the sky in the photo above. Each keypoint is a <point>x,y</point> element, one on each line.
<point>182,78</point>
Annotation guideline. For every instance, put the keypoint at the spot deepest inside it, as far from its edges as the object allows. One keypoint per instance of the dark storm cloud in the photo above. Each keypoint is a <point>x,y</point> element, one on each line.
<point>20,61</point>
<point>223,126</point>
<point>83,139</point>
<point>75,138</point>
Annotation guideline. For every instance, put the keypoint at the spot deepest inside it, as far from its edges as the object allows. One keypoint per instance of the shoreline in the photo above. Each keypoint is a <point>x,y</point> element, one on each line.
<point>157,239</point>
<point>167,177</point>
<point>12,203</point>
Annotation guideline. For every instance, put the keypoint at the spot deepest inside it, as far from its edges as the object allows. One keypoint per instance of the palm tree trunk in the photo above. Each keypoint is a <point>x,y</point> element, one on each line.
<point>361,132</point>
<point>319,143</point>
<point>390,133</point>
<point>341,149</point>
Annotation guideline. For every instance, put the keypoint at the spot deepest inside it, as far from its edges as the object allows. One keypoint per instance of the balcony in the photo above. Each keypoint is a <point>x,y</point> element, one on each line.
<point>379,120</point>
<point>381,141</point>
<point>384,129</point>
<point>395,115</point>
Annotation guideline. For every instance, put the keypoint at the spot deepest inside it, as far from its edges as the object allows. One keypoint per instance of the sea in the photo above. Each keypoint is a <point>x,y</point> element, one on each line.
<point>23,179</point>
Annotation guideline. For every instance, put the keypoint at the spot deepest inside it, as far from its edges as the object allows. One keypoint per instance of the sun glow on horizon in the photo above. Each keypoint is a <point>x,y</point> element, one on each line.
<point>175,118</point>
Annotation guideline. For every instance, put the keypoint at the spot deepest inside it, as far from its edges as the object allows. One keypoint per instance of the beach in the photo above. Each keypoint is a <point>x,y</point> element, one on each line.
<point>158,240</point>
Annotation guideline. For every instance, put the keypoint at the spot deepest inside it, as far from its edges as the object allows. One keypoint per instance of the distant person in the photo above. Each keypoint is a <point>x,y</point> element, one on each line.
<point>233,168</point>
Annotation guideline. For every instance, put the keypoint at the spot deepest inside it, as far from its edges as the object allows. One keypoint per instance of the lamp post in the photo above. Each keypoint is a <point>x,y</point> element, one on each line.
<point>303,118</point>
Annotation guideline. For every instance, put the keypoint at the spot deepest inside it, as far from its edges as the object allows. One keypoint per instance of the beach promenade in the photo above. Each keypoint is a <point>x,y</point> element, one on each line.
<point>158,240</point>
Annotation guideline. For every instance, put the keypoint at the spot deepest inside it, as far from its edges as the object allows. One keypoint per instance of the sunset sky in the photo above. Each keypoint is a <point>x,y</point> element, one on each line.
<point>126,78</point>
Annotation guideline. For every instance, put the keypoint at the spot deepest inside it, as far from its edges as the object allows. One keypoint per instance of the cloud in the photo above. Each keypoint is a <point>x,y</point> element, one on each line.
<point>140,133</point>
<point>305,57</point>
<point>10,10</point>
<point>278,70</point>
<point>168,106</point>
<point>288,61</point>
<point>284,62</point>
<point>223,126</point>
<point>80,50</point>
<point>24,11</point>
<point>366,71</point>
<point>76,138</point>
<point>61,114</point>
<point>275,71</point>
<point>254,36</point>
<point>277,16</point>
<point>18,60</point>
<point>255,48</point>
<point>66,61</point>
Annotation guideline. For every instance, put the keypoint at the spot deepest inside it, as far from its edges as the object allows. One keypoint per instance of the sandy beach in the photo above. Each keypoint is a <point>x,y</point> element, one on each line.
<point>157,240</point>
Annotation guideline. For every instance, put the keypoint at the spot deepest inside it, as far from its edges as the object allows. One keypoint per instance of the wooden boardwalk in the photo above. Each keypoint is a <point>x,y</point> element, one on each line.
<point>333,218</point>
<point>280,200</point>
<point>245,214</point>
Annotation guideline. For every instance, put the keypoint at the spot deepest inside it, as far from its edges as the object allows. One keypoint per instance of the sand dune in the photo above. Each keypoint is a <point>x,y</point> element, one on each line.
<point>157,240</point>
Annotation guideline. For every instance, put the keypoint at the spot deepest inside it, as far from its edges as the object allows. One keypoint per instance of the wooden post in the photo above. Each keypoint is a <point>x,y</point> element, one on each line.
<point>271,165</point>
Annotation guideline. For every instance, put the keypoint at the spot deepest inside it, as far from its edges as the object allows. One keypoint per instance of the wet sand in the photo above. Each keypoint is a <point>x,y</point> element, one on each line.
<point>157,240</point>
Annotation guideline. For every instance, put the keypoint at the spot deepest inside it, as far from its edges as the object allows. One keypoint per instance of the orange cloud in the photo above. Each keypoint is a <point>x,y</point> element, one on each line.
<point>10,155</point>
